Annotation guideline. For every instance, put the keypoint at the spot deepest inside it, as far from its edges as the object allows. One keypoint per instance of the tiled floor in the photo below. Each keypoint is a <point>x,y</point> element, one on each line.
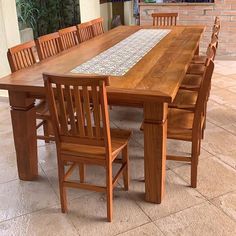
<point>32,208</point>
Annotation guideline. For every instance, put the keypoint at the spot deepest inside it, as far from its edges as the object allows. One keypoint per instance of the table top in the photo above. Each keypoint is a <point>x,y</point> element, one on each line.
<point>156,77</point>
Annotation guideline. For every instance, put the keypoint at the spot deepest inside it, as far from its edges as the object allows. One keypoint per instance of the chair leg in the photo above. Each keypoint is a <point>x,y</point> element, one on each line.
<point>82,173</point>
<point>125,159</point>
<point>46,130</point>
<point>63,198</point>
<point>194,162</point>
<point>109,192</point>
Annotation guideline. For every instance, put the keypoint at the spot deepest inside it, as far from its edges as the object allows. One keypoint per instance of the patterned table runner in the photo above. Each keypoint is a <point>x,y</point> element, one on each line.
<point>120,58</point>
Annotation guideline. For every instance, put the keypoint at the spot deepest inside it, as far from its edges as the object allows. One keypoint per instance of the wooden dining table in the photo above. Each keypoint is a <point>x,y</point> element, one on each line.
<point>151,84</point>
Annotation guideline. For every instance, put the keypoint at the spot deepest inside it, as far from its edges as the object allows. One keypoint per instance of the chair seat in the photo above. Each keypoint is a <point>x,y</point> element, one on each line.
<point>199,59</point>
<point>180,124</point>
<point>185,98</point>
<point>196,69</point>
<point>119,139</point>
<point>191,81</point>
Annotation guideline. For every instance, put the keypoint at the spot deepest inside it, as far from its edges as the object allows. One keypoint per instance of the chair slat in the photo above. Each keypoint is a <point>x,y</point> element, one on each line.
<point>63,116</point>
<point>86,103</point>
<point>79,111</point>
<point>96,113</point>
<point>70,109</point>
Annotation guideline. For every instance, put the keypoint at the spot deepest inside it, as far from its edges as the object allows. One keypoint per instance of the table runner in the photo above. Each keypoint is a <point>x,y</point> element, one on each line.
<point>120,58</point>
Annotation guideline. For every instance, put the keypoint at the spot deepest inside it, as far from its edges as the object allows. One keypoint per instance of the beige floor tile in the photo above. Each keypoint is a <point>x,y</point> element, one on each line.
<point>223,81</point>
<point>204,219</point>
<point>47,156</point>
<point>226,70</point>
<point>218,140</point>
<point>230,128</point>
<point>7,142</point>
<point>149,229</point>
<point>88,214</point>
<point>8,168</point>
<point>178,196</point>
<point>223,97</point>
<point>48,222</point>
<point>220,143</point>
<point>214,177</point>
<point>21,197</point>
<point>232,89</point>
<point>228,158</point>
<point>211,105</point>
<point>227,203</point>
<point>136,156</point>
<point>222,115</point>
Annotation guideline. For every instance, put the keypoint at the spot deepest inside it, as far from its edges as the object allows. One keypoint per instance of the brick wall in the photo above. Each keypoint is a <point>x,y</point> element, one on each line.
<point>201,14</point>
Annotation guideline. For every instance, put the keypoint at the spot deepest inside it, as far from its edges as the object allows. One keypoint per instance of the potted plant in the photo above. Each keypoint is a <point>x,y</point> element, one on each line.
<point>28,15</point>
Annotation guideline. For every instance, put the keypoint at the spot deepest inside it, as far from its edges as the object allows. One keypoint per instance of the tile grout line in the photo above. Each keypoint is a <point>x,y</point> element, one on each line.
<point>218,126</point>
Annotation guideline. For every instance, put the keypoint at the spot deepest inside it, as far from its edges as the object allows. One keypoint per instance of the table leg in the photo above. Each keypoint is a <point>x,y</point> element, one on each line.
<point>24,130</point>
<point>155,133</point>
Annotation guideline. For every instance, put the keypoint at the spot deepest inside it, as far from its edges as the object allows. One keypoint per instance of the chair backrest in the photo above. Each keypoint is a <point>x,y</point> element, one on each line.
<point>164,19</point>
<point>22,56</point>
<point>97,26</point>
<point>217,20</point>
<point>70,100</point>
<point>69,37</point>
<point>203,94</point>
<point>85,31</point>
<point>48,45</point>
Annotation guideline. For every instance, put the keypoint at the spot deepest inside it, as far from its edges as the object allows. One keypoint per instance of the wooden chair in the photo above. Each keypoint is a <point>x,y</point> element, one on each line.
<point>69,37</point>
<point>194,76</point>
<point>21,57</point>
<point>198,69</point>
<point>48,45</point>
<point>85,31</point>
<point>97,26</point>
<point>164,19</point>
<point>201,59</point>
<point>84,137</point>
<point>188,124</point>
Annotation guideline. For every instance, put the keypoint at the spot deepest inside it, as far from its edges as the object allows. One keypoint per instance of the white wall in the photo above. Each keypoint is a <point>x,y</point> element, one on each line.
<point>128,13</point>
<point>89,9</point>
<point>9,32</point>
<point>106,14</point>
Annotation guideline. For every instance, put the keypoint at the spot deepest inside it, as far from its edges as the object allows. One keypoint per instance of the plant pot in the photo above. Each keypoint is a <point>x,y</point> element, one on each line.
<point>26,35</point>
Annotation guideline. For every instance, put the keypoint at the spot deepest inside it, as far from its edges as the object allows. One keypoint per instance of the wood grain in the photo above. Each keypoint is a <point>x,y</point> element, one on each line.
<point>152,83</point>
